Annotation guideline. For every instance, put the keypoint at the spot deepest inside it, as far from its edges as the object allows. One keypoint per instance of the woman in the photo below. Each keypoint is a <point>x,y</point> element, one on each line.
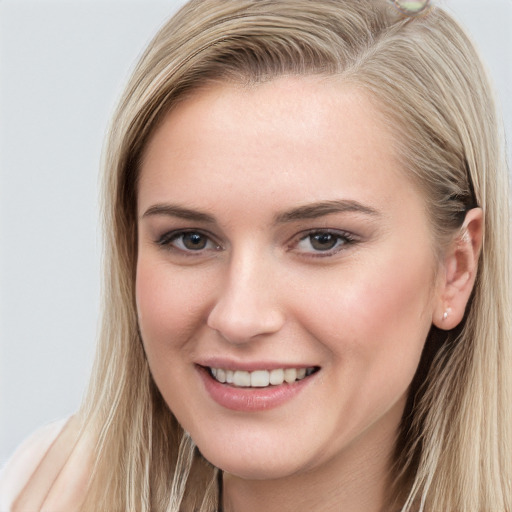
<point>307,278</point>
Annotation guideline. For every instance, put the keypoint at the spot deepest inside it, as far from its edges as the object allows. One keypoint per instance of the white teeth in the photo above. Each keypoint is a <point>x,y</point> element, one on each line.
<point>261,378</point>
<point>277,377</point>
<point>242,379</point>
<point>290,375</point>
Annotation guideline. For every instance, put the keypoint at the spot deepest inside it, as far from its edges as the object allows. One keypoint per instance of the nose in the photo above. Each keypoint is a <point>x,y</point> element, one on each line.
<point>247,304</point>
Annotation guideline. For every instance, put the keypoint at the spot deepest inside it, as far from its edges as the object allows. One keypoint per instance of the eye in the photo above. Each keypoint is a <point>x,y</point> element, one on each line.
<point>324,243</point>
<point>188,241</point>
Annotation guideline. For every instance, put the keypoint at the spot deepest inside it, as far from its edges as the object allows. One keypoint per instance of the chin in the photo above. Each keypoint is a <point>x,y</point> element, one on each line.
<point>265,463</point>
<point>257,470</point>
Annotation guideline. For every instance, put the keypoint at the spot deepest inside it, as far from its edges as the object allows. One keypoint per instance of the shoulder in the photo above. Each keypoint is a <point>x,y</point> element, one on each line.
<point>41,467</point>
<point>18,469</point>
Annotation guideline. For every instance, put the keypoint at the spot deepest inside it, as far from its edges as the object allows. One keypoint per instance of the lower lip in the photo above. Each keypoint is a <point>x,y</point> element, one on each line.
<point>251,399</point>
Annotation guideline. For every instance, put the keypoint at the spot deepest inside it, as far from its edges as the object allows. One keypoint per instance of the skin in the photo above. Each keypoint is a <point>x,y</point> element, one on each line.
<point>260,291</point>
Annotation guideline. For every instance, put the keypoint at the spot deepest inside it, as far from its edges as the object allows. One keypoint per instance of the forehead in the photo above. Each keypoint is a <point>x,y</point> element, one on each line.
<point>296,138</point>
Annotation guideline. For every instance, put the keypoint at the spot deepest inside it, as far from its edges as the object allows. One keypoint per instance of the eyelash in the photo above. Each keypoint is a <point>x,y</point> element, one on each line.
<point>342,240</point>
<point>167,241</point>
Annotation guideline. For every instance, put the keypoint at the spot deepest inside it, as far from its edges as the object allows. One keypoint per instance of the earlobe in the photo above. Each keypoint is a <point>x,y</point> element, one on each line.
<point>459,272</point>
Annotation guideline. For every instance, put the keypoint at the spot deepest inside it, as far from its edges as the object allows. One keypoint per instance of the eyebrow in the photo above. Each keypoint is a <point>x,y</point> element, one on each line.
<point>322,208</point>
<point>172,210</point>
<point>307,211</point>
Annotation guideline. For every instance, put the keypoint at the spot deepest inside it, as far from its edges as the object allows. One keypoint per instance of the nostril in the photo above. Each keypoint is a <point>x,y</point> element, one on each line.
<point>246,305</point>
<point>241,330</point>
<point>241,327</point>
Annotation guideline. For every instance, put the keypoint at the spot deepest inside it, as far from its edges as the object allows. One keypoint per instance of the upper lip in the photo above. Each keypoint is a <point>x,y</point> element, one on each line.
<point>249,366</point>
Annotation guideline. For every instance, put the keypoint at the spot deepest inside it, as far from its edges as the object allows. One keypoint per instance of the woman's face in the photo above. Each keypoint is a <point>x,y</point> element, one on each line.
<point>279,239</point>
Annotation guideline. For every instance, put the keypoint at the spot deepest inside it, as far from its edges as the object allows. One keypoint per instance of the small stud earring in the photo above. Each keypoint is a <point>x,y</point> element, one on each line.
<point>446,314</point>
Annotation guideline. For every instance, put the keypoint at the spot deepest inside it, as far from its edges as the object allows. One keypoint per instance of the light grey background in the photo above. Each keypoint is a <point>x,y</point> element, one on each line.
<point>62,66</point>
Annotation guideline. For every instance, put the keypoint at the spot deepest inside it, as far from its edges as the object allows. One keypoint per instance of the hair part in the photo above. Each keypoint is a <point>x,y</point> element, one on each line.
<point>426,80</point>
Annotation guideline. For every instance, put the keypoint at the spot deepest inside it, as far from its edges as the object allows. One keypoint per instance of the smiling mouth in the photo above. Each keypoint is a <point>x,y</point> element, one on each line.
<point>261,378</point>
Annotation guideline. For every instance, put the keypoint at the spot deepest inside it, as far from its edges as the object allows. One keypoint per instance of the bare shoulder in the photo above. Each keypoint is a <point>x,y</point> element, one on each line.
<point>18,469</point>
<point>42,466</point>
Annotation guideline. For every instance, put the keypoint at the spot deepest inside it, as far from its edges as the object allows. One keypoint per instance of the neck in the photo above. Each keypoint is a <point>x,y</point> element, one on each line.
<point>356,480</point>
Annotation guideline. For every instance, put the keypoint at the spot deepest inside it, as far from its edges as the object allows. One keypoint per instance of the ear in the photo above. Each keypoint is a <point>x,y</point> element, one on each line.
<point>458,272</point>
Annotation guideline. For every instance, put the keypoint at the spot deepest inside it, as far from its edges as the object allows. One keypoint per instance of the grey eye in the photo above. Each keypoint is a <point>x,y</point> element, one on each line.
<point>188,241</point>
<point>193,241</point>
<point>324,241</point>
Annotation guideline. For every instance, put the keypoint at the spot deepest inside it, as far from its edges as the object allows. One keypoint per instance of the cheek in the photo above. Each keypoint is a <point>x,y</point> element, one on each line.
<point>376,331</point>
<point>169,305</point>
<point>373,319</point>
<point>361,298</point>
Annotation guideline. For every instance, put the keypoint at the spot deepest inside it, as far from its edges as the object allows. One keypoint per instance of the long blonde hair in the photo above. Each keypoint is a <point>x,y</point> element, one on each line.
<point>453,450</point>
